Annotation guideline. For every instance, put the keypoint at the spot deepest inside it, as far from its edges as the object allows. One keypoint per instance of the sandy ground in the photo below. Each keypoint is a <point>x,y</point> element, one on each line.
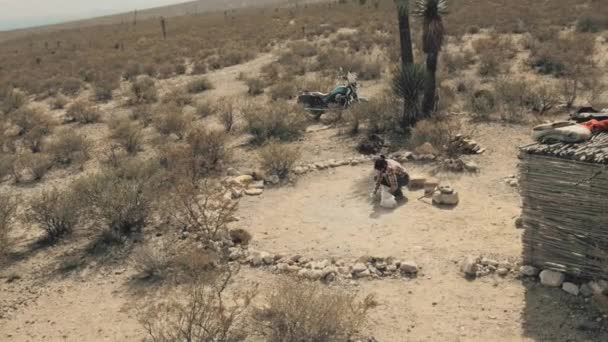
<point>47,295</point>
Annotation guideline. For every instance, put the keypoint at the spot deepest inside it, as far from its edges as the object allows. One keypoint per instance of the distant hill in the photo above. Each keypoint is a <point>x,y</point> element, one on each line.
<point>190,7</point>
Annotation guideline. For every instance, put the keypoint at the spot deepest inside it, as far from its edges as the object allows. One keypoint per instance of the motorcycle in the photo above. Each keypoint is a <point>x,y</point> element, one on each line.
<point>341,96</point>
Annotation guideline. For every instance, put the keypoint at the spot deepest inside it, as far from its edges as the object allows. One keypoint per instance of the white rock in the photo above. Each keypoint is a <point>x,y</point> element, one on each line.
<point>469,266</point>
<point>528,271</point>
<point>471,166</point>
<point>267,258</point>
<point>256,185</point>
<point>319,265</point>
<point>551,278</point>
<point>232,172</point>
<point>359,267</point>
<point>273,179</point>
<point>598,287</point>
<point>502,271</point>
<point>255,260</point>
<point>571,288</point>
<point>253,192</point>
<point>408,267</point>
<point>486,261</point>
<point>363,274</point>
<point>243,180</point>
<point>446,199</point>
<point>299,170</point>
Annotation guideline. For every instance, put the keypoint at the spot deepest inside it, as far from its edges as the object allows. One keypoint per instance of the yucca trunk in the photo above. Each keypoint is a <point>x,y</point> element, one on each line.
<point>428,103</point>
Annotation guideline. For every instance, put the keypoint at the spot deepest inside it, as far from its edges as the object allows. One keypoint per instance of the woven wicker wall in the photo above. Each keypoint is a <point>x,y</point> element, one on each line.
<point>565,215</point>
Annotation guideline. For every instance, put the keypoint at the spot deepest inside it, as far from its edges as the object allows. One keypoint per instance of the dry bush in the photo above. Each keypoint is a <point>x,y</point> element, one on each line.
<point>301,311</point>
<point>150,69</point>
<point>71,86</point>
<point>179,68</point>
<point>202,314</point>
<point>201,209</point>
<point>481,104</point>
<point>198,86</point>
<point>170,119</point>
<point>208,146</point>
<point>68,148</point>
<point>165,71</point>
<point>595,89</point>
<point>331,60</point>
<point>103,90</point>
<point>6,165</point>
<point>281,121</point>
<point>121,199</point>
<point>303,49</point>
<point>56,212</point>
<point>457,61</point>
<point>58,102</point>
<point>438,132</point>
<point>143,90</point>
<point>513,98</point>
<point>83,112</point>
<point>142,113</point>
<point>153,261</point>
<point>178,98</point>
<point>271,72</point>
<point>240,236</point>
<point>8,207</point>
<point>590,25</point>
<point>199,68</point>
<point>493,52</point>
<point>31,166</point>
<point>381,114</point>
<point>12,100</point>
<point>569,90</point>
<point>544,97</point>
<point>283,90</point>
<point>226,113</point>
<point>127,133</point>
<point>255,86</point>
<point>132,70</point>
<point>278,159</point>
<point>204,108</point>
<point>33,125</point>
<point>563,55</point>
<point>192,264</point>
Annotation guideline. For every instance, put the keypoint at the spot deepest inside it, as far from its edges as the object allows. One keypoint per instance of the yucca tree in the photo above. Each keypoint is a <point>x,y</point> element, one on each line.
<point>405,36</point>
<point>433,32</point>
<point>409,84</point>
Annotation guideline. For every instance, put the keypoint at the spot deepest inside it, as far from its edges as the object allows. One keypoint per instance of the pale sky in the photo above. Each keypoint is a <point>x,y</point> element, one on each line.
<point>25,13</point>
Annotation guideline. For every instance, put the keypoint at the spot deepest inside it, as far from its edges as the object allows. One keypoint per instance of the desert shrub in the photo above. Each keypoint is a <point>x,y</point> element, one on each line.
<point>56,212</point>
<point>143,90</point>
<point>31,166</point>
<point>6,165</point>
<point>127,133</point>
<point>226,113</point>
<point>121,200</point>
<point>204,108</point>
<point>83,112</point>
<point>201,209</point>
<point>303,49</point>
<point>544,97</point>
<point>199,68</point>
<point>103,91</point>
<point>588,25</point>
<point>569,90</point>
<point>12,100</point>
<point>369,70</point>
<point>277,158</point>
<point>68,147</point>
<point>563,55</point>
<point>198,86</point>
<point>303,311</point>
<point>284,90</point>
<point>271,72</point>
<point>152,261</point>
<point>493,52</point>
<point>240,236</point>
<point>513,98</point>
<point>170,119</point>
<point>438,132</point>
<point>71,86</point>
<point>142,113</point>
<point>179,68</point>
<point>177,97</point>
<point>8,206</point>
<point>165,71</point>
<point>473,29</point>
<point>595,89</point>
<point>481,104</point>
<point>132,70</point>
<point>34,125</point>
<point>280,121</point>
<point>208,146</point>
<point>59,102</point>
<point>203,313</point>
<point>150,69</point>
<point>255,86</point>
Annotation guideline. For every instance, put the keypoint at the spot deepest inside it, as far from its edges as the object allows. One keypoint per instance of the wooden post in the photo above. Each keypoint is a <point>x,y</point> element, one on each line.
<point>163,26</point>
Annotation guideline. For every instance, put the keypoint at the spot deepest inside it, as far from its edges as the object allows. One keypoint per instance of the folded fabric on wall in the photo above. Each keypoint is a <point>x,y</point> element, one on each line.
<point>562,131</point>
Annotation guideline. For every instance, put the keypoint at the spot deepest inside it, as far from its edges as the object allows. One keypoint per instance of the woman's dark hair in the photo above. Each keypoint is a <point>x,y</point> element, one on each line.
<point>380,164</point>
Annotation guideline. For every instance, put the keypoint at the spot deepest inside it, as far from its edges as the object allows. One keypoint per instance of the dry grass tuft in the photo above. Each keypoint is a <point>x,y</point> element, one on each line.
<point>68,148</point>
<point>83,112</point>
<point>278,159</point>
